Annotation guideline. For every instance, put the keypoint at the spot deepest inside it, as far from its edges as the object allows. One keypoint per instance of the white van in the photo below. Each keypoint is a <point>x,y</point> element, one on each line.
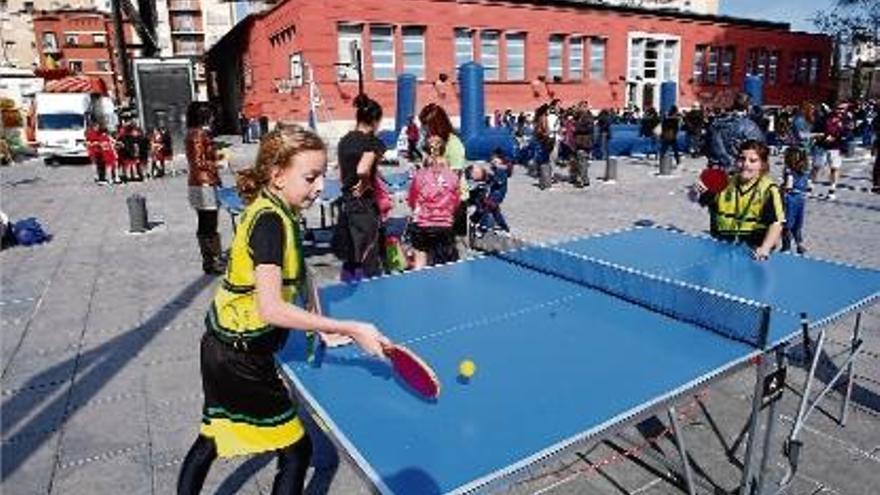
<point>61,123</point>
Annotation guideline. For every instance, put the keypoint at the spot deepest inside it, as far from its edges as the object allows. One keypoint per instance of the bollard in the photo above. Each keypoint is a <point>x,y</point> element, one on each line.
<point>666,164</point>
<point>545,175</point>
<point>137,213</point>
<point>611,169</point>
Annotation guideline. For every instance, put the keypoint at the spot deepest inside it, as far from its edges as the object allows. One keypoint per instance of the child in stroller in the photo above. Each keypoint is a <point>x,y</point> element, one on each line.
<point>488,190</point>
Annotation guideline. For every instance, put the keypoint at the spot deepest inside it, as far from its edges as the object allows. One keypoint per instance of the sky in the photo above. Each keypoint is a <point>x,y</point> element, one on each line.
<point>795,12</point>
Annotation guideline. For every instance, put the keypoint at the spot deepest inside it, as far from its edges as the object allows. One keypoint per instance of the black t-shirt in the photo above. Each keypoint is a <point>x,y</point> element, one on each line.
<point>267,240</point>
<point>351,147</point>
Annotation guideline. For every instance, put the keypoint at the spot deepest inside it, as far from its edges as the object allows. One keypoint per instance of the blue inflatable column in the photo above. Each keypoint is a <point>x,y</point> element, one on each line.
<point>668,96</point>
<point>473,103</point>
<point>406,100</point>
<point>754,87</point>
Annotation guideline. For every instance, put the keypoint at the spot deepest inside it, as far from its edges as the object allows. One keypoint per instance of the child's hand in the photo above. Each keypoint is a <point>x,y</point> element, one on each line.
<point>335,339</point>
<point>761,253</point>
<point>368,337</point>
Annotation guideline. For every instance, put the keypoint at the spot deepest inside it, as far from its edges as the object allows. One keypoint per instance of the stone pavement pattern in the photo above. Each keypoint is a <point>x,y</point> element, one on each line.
<point>100,383</point>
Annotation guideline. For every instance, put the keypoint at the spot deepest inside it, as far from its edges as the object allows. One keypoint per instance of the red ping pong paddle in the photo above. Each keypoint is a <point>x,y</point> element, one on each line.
<point>715,179</point>
<point>413,370</point>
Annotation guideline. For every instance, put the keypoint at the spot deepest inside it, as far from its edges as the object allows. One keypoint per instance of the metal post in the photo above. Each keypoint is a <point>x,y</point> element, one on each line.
<point>771,423</point>
<point>854,346</point>
<point>121,50</point>
<point>611,169</point>
<point>682,451</point>
<point>760,373</point>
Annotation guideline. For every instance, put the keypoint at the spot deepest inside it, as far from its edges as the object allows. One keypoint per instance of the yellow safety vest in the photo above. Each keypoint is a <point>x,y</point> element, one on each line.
<point>738,213</point>
<point>233,314</point>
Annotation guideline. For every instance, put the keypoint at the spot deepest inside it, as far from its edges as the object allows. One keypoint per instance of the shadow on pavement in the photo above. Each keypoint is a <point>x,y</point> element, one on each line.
<point>38,418</point>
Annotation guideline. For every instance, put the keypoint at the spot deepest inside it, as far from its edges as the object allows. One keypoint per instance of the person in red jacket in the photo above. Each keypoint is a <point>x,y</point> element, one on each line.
<point>93,148</point>
<point>107,147</point>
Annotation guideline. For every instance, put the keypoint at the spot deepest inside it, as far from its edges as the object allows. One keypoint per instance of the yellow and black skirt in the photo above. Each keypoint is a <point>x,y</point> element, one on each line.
<point>247,409</point>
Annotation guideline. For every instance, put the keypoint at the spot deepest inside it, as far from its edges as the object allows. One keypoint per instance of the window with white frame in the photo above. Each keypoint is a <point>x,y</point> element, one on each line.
<point>414,51</point>
<point>516,56</point>
<point>712,70</point>
<point>636,58</point>
<point>103,66</point>
<point>464,46</point>
<point>75,66</point>
<point>813,76</point>
<point>348,41</point>
<point>296,70</point>
<point>489,54</point>
<point>699,64</point>
<point>726,74</point>
<point>773,67</point>
<point>71,39</point>
<point>576,58</point>
<point>669,70</point>
<point>50,42</point>
<point>382,51</point>
<point>597,58</point>
<point>555,50</point>
<point>99,39</point>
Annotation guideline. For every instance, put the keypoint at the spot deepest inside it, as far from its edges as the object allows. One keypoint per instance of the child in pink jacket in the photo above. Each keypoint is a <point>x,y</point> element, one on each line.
<point>433,197</point>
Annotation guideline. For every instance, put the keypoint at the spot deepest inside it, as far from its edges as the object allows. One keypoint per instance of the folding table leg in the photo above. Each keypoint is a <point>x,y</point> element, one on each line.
<point>760,373</point>
<point>771,423</point>
<point>854,347</point>
<point>682,450</point>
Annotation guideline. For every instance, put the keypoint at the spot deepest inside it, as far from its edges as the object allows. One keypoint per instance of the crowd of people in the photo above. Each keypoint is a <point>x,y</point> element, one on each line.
<point>129,154</point>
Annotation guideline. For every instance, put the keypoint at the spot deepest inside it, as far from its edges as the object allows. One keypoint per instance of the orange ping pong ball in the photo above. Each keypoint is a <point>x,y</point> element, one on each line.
<point>467,368</point>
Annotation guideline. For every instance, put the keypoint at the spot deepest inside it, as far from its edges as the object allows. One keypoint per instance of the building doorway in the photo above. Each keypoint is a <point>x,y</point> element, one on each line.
<point>652,58</point>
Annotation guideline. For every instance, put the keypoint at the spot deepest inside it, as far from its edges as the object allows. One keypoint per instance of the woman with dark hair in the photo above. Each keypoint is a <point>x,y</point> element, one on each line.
<point>436,122</point>
<point>204,179</point>
<point>357,240</point>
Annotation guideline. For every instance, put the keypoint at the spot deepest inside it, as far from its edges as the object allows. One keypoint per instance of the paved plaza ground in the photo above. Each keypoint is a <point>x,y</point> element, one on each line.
<point>101,389</point>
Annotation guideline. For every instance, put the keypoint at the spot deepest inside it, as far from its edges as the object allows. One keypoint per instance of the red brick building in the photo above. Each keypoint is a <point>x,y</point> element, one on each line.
<point>532,50</point>
<point>82,42</point>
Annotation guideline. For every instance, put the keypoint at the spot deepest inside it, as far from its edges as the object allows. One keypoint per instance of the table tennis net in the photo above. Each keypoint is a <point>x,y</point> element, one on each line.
<point>733,317</point>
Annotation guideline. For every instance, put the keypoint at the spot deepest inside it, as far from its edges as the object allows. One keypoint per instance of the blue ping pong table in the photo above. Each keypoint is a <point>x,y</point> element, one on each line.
<point>559,363</point>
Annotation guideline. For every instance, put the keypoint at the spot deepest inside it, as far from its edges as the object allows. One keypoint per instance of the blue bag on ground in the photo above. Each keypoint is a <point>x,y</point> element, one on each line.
<point>28,232</point>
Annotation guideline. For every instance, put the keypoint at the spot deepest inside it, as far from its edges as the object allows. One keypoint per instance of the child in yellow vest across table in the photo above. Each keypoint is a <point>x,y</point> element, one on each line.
<point>247,408</point>
<point>750,208</point>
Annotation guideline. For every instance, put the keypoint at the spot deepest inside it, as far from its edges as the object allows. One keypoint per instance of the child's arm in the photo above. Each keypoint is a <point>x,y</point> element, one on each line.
<point>773,214</point>
<point>364,166</point>
<point>275,311</point>
<point>771,239</point>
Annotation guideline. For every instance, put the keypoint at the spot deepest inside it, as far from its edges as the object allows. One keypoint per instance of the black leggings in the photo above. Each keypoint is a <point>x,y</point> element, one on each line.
<point>207,223</point>
<point>293,461</point>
